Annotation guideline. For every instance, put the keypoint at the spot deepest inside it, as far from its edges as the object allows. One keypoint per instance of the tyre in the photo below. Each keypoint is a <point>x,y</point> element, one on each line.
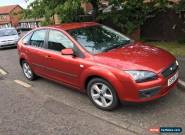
<point>102,94</point>
<point>29,74</point>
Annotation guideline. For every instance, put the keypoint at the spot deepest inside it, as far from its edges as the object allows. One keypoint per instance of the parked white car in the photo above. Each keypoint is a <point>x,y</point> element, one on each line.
<point>8,37</point>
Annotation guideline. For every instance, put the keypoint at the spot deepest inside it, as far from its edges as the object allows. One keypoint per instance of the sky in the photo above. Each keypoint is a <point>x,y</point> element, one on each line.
<point>22,3</point>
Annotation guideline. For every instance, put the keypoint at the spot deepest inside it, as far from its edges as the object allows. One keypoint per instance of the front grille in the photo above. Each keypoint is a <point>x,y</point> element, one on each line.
<point>170,70</point>
<point>149,92</point>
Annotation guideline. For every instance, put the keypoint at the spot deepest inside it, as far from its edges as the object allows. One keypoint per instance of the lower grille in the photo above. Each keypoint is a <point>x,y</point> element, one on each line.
<point>149,92</point>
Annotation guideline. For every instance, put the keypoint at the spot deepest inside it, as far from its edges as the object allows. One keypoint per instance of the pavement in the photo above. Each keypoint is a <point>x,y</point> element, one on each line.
<point>181,82</point>
<point>181,61</point>
<point>44,107</point>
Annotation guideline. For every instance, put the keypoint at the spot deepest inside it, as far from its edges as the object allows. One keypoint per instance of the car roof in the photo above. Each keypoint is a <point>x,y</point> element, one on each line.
<point>71,26</point>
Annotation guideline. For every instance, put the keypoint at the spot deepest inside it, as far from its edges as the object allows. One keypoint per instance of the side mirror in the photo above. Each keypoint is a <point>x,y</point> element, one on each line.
<point>67,51</point>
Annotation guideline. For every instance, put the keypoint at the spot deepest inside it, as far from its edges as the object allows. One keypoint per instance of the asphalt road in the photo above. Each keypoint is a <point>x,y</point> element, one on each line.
<point>51,109</point>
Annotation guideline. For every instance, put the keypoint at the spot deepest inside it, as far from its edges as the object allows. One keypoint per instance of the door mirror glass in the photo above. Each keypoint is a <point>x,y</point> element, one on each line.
<point>67,51</point>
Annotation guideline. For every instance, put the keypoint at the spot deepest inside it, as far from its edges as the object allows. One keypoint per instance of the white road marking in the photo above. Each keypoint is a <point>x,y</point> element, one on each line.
<point>22,83</point>
<point>181,83</point>
<point>2,72</point>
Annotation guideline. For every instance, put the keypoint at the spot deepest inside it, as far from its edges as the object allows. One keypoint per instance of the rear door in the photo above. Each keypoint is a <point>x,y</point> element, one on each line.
<point>35,51</point>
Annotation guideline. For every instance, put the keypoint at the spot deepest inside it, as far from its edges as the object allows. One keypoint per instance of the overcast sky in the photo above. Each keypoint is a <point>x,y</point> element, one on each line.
<point>22,3</point>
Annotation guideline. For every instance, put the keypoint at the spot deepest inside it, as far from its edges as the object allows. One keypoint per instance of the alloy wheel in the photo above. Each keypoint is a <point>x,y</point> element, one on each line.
<point>101,94</point>
<point>27,70</point>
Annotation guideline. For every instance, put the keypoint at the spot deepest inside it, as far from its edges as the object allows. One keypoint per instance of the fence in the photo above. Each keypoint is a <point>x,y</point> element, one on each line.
<point>165,26</point>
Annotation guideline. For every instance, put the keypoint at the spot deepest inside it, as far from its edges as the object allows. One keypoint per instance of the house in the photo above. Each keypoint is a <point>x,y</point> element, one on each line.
<point>29,23</point>
<point>10,15</point>
<point>87,6</point>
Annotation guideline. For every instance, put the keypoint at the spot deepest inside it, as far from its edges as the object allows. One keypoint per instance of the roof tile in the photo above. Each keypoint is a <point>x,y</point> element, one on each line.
<point>7,9</point>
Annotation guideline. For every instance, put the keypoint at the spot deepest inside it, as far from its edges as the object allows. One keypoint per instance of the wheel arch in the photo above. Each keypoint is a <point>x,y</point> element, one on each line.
<point>89,78</point>
<point>103,73</point>
<point>21,60</point>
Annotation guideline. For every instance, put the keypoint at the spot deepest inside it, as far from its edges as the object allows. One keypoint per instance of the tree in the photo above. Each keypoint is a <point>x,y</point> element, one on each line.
<point>130,17</point>
<point>131,13</point>
<point>181,5</point>
<point>43,9</point>
<point>70,10</point>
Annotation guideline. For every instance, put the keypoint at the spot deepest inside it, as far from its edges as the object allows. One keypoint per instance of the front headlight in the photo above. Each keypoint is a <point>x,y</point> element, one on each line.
<point>142,76</point>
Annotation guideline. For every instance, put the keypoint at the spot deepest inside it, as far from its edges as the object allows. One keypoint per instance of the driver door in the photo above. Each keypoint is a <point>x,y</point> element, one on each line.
<point>65,68</point>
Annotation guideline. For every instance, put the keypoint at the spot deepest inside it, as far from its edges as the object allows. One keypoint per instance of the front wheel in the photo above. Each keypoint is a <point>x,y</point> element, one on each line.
<point>102,94</point>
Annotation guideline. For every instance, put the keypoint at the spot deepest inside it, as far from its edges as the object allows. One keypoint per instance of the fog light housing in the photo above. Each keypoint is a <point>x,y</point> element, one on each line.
<point>146,93</point>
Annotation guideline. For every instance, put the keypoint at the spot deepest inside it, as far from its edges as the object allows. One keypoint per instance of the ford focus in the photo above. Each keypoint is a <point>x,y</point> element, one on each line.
<point>95,59</point>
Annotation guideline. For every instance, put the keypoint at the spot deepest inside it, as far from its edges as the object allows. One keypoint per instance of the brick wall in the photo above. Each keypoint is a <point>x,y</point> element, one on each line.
<point>15,16</point>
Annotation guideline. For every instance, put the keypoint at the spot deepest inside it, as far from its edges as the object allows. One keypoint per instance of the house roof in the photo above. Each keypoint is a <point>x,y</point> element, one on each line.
<point>7,9</point>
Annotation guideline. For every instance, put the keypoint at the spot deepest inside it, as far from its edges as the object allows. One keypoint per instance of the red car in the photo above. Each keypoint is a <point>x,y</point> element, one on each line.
<point>100,61</point>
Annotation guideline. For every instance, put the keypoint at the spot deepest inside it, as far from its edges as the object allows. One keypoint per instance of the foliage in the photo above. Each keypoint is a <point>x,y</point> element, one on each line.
<point>70,10</point>
<point>127,15</point>
<point>133,13</point>
<point>181,5</point>
<point>130,17</point>
<point>43,9</point>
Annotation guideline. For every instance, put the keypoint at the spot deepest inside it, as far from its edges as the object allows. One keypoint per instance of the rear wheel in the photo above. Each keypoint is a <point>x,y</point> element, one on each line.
<point>102,94</point>
<point>29,74</point>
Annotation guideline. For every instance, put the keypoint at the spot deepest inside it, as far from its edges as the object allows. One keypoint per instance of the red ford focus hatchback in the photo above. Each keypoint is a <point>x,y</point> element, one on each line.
<point>98,60</point>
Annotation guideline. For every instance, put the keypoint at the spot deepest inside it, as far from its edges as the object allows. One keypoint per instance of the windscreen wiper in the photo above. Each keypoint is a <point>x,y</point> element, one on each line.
<point>117,46</point>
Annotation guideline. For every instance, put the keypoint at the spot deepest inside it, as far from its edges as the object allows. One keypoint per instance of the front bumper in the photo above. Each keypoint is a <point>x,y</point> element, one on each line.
<point>160,93</point>
<point>8,44</point>
<point>147,91</point>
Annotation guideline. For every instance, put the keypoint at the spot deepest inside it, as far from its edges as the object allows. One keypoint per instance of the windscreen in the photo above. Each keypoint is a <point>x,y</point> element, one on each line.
<point>99,38</point>
<point>7,32</point>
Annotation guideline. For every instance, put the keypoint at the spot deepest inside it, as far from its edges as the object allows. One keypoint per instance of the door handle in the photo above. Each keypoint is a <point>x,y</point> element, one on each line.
<point>48,57</point>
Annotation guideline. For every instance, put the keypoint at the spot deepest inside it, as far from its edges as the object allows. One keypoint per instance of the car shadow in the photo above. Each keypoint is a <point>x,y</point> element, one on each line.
<point>130,107</point>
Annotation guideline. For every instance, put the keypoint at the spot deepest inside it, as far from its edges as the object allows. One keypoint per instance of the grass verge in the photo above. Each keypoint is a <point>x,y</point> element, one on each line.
<point>177,49</point>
